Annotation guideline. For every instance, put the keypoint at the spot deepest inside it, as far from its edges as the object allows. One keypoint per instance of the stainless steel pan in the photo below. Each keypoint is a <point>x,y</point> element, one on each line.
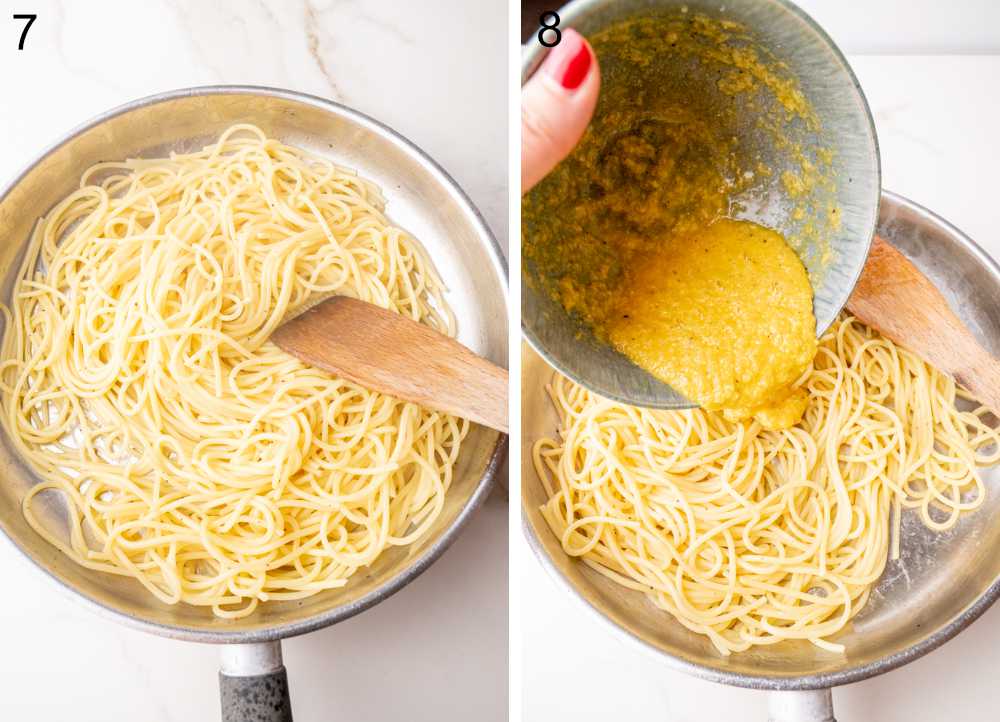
<point>939,586</point>
<point>421,198</point>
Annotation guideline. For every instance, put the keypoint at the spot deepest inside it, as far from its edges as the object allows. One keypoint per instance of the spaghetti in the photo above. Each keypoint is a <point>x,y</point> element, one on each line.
<point>138,382</point>
<point>749,536</point>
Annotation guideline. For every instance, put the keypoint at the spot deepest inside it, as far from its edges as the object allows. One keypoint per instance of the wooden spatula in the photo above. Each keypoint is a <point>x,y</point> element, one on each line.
<point>384,351</point>
<point>899,301</point>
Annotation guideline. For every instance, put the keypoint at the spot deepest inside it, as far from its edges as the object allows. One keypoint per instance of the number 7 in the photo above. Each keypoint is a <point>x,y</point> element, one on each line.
<point>24,33</point>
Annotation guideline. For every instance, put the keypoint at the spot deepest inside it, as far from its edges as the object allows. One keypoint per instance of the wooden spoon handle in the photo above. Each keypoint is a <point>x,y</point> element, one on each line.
<point>895,298</point>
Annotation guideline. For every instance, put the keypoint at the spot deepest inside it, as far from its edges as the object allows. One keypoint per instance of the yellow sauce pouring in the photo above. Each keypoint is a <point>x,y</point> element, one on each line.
<point>633,234</point>
<point>724,316</point>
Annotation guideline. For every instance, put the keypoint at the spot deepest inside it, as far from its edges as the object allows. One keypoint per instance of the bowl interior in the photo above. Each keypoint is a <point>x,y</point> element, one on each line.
<point>420,198</point>
<point>785,124</point>
<point>938,586</point>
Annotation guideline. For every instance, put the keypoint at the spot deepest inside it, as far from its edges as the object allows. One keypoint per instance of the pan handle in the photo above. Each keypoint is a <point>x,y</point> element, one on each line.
<point>809,705</point>
<point>253,684</point>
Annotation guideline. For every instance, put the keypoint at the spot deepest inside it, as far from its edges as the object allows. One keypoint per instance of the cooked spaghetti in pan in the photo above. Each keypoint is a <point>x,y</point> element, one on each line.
<point>138,382</point>
<point>752,536</point>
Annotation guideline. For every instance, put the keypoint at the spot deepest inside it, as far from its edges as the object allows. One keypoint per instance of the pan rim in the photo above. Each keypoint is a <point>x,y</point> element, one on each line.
<point>270,633</point>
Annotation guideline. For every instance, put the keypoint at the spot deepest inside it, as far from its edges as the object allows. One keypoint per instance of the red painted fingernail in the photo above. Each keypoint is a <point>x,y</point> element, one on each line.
<point>569,62</point>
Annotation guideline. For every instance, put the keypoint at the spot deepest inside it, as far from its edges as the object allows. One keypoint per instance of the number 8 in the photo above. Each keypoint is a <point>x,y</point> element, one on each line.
<point>554,27</point>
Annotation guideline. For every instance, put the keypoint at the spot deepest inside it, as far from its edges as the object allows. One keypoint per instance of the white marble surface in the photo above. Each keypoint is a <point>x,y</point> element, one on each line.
<point>436,72</point>
<point>935,118</point>
<point>888,27</point>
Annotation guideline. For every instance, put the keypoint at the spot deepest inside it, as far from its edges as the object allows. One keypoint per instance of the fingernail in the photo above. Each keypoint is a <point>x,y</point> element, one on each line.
<point>569,61</point>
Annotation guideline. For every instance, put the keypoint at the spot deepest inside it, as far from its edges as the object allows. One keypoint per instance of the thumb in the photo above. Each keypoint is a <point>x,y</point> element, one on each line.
<point>556,106</point>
